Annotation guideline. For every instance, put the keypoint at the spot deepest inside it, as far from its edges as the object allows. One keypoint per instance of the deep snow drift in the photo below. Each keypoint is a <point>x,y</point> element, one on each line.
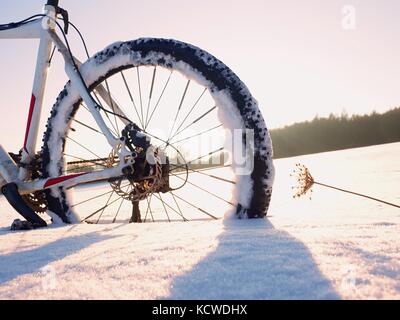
<point>335,246</point>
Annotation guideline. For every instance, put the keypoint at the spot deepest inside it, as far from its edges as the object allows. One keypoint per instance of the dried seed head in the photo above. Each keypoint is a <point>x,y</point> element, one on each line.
<point>304,179</point>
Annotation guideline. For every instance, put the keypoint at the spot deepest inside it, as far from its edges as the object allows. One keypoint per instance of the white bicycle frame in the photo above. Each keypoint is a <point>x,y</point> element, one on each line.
<point>44,29</point>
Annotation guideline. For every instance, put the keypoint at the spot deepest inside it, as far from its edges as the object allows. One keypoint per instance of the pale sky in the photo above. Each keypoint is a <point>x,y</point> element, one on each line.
<point>295,56</point>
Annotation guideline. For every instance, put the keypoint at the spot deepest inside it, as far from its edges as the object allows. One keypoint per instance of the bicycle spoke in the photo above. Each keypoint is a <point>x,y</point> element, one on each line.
<point>179,108</point>
<point>210,193</point>
<point>158,101</point>
<point>196,207</point>
<point>179,213</point>
<point>131,97</point>
<point>82,105</point>
<point>87,126</point>
<point>105,207</point>
<point>112,104</point>
<point>114,130</point>
<point>177,205</point>
<point>83,147</point>
<point>120,205</point>
<point>193,122</point>
<point>150,94</point>
<point>196,135</point>
<point>200,171</point>
<point>190,111</point>
<point>201,157</point>
<point>92,198</point>
<point>213,176</point>
<point>87,109</point>
<point>98,210</point>
<point>149,208</point>
<point>95,197</point>
<point>165,209</point>
<point>140,95</point>
<point>205,169</point>
<point>92,214</point>
<point>119,208</point>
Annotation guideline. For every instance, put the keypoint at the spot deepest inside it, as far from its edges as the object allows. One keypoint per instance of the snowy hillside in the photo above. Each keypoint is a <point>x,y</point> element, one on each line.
<point>334,246</point>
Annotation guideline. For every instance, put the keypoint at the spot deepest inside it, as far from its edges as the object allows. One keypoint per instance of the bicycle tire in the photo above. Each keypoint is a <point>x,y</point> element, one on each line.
<point>252,192</point>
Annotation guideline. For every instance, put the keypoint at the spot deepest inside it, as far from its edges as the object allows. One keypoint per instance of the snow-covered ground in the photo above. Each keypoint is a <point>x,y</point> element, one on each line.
<point>334,246</point>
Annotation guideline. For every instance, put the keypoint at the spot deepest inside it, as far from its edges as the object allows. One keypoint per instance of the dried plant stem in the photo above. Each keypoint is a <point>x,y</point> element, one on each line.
<point>357,194</point>
<point>305,182</point>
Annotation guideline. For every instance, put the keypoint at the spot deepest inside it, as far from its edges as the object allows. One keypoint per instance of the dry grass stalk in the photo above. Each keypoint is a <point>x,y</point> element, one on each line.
<point>305,181</point>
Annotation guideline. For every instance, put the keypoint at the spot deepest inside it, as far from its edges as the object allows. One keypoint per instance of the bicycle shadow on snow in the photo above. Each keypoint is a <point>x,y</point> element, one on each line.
<point>31,261</point>
<point>254,260</point>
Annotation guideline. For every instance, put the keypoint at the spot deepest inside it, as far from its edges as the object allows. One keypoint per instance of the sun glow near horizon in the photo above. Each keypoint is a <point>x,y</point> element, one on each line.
<point>299,60</point>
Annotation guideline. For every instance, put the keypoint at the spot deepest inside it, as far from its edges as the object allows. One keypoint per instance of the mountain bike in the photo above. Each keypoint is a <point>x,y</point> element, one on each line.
<point>120,141</point>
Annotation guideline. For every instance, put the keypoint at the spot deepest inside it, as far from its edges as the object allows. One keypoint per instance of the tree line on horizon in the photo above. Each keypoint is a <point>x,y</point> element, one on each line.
<point>336,133</point>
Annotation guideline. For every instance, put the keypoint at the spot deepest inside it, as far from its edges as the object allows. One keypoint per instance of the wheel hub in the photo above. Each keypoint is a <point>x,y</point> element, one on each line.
<point>148,174</point>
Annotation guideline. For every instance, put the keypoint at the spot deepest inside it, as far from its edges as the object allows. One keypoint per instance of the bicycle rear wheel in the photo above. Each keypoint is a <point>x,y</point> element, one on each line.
<point>190,104</point>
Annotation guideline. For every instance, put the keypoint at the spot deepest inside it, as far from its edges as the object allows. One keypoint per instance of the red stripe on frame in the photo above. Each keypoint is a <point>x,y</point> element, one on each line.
<point>28,124</point>
<point>50,182</point>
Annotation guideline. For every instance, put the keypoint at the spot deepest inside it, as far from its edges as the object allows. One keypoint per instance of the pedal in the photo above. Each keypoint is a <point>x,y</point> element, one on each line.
<point>10,191</point>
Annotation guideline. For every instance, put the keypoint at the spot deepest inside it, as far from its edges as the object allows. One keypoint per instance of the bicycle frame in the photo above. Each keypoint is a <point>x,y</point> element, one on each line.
<point>44,30</point>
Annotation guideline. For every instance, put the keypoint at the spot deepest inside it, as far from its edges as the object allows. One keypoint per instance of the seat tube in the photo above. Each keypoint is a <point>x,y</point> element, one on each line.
<point>38,90</point>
